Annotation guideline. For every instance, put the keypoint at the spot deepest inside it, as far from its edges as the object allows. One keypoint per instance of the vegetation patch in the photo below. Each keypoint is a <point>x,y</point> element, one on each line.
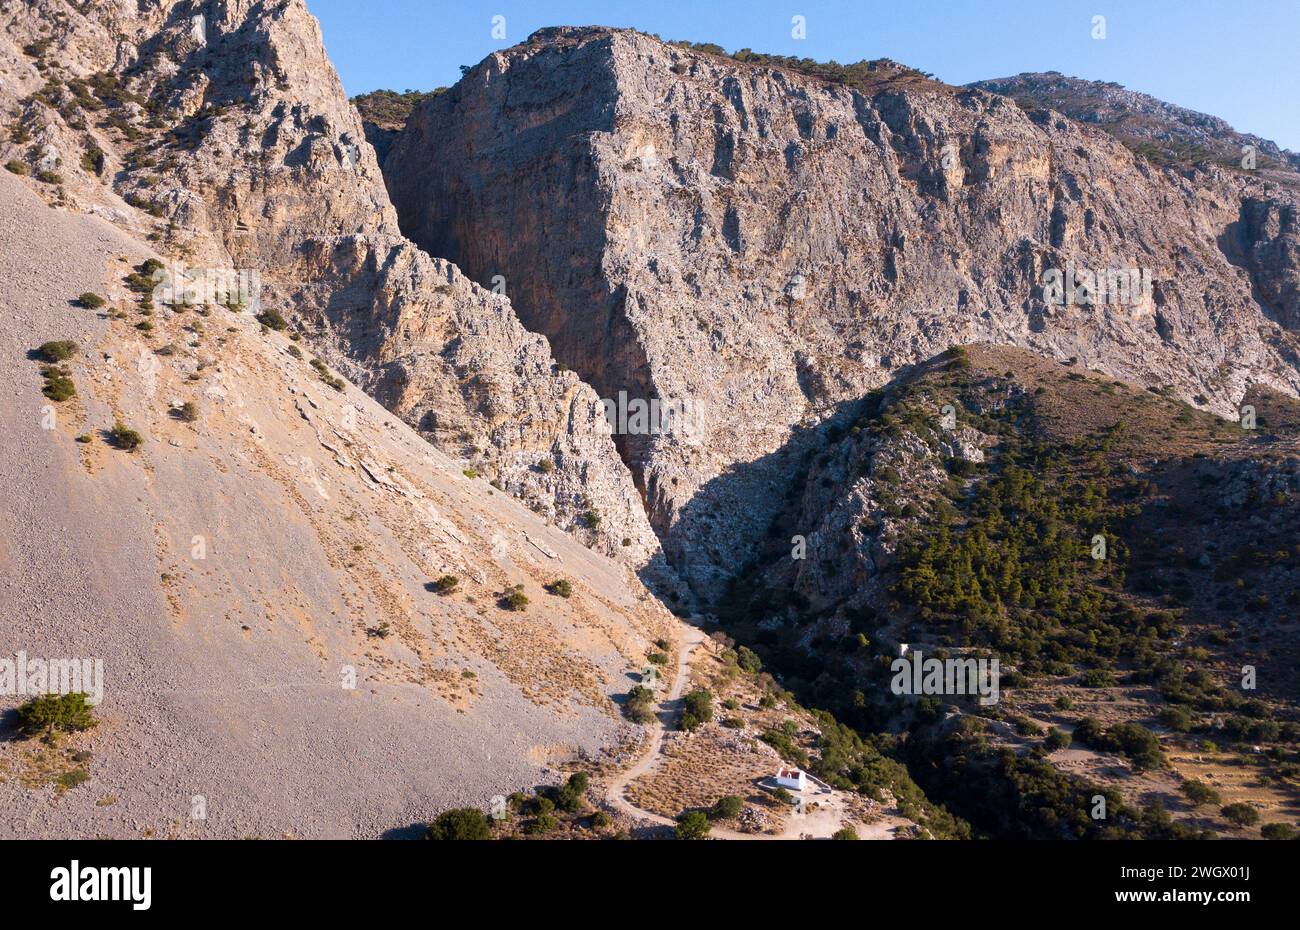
<point>125,438</point>
<point>51,714</point>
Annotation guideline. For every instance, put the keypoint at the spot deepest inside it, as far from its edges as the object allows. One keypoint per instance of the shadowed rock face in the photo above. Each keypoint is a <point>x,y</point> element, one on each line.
<point>239,138</point>
<point>768,246</point>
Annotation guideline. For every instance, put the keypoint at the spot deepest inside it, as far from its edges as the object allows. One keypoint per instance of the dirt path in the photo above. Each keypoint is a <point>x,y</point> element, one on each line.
<point>615,795</point>
<point>821,823</point>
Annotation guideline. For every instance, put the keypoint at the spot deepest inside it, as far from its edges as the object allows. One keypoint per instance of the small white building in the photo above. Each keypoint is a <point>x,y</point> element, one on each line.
<point>794,779</point>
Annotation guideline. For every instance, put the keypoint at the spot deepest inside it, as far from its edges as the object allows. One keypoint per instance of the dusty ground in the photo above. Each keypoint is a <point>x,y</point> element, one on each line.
<point>1252,779</point>
<point>322,519</point>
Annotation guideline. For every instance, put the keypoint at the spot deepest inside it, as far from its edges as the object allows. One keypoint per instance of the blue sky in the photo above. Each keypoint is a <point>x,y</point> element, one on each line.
<point>1237,59</point>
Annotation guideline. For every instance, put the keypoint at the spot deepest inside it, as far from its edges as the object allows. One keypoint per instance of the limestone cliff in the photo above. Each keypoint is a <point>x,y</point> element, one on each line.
<point>767,245</point>
<point>223,135</point>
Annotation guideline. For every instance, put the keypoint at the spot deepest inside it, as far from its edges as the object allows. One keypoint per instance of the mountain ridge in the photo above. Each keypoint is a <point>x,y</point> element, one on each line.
<point>807,261</point>
<point>1170,133</point>
<point>725,200</point>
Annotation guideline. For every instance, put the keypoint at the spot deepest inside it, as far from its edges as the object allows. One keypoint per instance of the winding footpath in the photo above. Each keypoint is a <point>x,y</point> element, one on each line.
<point>819,824</point>
<point>616,795</point>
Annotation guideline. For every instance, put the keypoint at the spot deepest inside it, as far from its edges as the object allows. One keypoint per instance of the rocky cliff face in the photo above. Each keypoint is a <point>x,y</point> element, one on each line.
<point>1167,132</point>
<point>765,246</point>
<point>223,135</point>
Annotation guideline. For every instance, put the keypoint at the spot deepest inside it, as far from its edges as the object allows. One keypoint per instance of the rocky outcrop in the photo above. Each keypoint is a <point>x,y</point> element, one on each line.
<point>765,246</point>
<point>224,121</point>
<point>1265,241</point>
<point>1165,131</point>
<point>451,359</point>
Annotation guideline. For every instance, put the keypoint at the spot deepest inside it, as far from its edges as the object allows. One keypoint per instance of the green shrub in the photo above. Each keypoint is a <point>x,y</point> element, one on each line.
<point>546,466</point>
<point>1132,740</point>
<point>140,203</point>
<point>72,778</point>
<point>748,660</point>
<point>1026,727</point>
<point>446,584</point>
<point>188,411</point>
<point>271,319</point>
<point>640,705</point>
<point>1243,815</point>
<point>600,820</point>
<point>1056,739</point>
<point>692,825</point>
<point>790,751</point>
<point>323,373</point>
<point>560,588</point>
<point>462,823</point>
<point>51,714</point>
<point>58,384</point>
<point>959,357</point>
<point>540,805</point>
<point>90,301</point>
<point>49,177</point>
<point>845,833</point>
<point>698,709</point>
<point>58,351</point>
<point>1097,678</point>
<point>569,796</point>
<point>1177,718</point>
<point>1198,792</point>
<point>514,599</point>
<point>541,825</point>
<point>14,166</point>
<point>1278,831</point>
<point>126,439</point>
<point>727,807</point>
<point>1139,744</point>
<point>92,160</point>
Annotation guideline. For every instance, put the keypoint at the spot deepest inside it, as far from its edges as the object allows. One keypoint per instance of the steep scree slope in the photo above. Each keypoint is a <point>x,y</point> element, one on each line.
<point>220,131</point>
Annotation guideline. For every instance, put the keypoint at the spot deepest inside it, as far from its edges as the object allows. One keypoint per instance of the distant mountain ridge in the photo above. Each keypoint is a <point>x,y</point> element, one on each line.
<point>1164,131</point>
<point>771,239</point>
